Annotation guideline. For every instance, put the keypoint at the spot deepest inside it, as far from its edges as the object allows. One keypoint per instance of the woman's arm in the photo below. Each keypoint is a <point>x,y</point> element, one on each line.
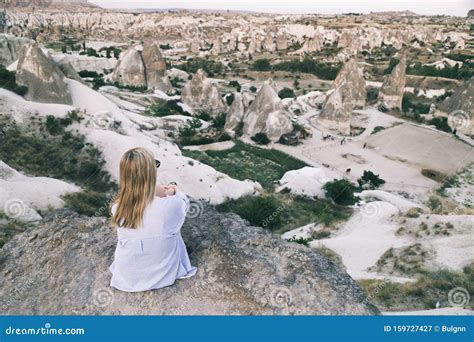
<point>165,190</point>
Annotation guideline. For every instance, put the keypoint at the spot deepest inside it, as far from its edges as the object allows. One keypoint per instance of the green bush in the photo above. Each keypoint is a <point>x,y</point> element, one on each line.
<point>88,73</point>
<point>258,211</point>
<point>209,66</point>
<point>262,65</point>
<point>308,65</point>
<point>8,81</point>
<point>286,93</point>
<point>236,85</point>
<point>253,89</point>
<point>162,109</point>
<point>341,192</point>
<point>261,139</point>
<point>230,99</point>
<point>441,123</point>
<point>218,121</point>
<point>371,180</point>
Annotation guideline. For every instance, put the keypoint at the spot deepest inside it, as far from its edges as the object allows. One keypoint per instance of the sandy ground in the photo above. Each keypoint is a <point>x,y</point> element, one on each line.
<point>434,312</point>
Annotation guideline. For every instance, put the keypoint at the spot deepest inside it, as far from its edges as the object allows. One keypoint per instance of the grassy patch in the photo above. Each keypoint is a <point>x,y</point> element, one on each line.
<point>281,213</point>
<point>8,81</point>
<point>244,161</point>
<point>424,293</point>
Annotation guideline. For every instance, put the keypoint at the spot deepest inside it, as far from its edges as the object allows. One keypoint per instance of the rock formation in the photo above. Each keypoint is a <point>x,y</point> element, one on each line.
<point>10,47</point>
<point>201,94</point>
<point>266,114</point>
<point>236,112</point>
<point>130,69</point>
<point>63,264</point>
<point>155,67</point>
<point>391,93</point>
<point>460,107</point>
<point>142,68</point>
<point>42,76</point>
<point>337,111</point>
<point>282,41</point>
<point>354,77</point>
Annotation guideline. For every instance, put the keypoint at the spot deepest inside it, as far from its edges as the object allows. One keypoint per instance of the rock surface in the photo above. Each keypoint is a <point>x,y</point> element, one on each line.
<point>353,76</point>
<point>460,107</point>
<point>130,69</point>
<point>61,267</point>
<point>266,114</point>
<point>10,47</point>
<point>155,67</point>
<point>42,76</point>
<point>236,112</point>
<point>201,94</point>
<point>391,93</point>
<point>337,111</point>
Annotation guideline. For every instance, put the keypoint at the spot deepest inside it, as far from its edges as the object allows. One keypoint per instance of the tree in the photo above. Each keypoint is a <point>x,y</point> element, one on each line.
<point>262,65</point>
<point>286,93</point>
<point>261,139</point>
<point>370,180</point>
<point>341,192</point>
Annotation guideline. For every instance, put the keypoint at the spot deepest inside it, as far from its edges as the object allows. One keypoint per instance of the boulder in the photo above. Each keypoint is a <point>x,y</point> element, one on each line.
<point>236,112</point>
<point>391,93</point>
<point>460,107</point>
<point>10,47</point>
<point>130,69</point>
<point>42,76</point>
<point>354,77</point>
<point>62,268</point>
<point>337,111</point>
<point>201,94</point>
<point>68,70</point>
<point>267,115</point>
<point>155,67</point>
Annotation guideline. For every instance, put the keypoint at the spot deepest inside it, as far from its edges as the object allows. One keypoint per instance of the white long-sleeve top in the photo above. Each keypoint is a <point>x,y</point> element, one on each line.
<point>153,255</point>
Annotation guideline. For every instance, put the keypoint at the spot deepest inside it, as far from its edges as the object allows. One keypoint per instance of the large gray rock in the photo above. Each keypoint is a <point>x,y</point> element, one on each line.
<point>155,67</point>
<point>42,76</point>
<point>267,115</point>
<point>460,108</point>
<point>201,94</point>
<point>236,112</point>
<point>10,47</point>
<point>61,267</point>
<point>337,110</point>
<point>130,69</point>
<point>391,93</point>
<point>354,77</point>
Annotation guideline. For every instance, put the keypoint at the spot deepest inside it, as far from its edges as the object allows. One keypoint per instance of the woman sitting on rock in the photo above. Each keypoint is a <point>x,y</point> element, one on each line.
<point>150,252</point>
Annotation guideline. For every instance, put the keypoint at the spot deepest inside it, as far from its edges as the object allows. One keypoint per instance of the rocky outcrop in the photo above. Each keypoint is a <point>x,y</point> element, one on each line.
<point>282,41</point>
<point>201,94</point>
<point>267,115</point>
<point>460,107</point>
<point>143,68</point>
<point>155,67</point>
<point>130,69</point>
<point>61,267</point>
<point>236,112</point>
<point>10,47</point>
<point>391,93</point>
<point>337,111</point>
<point>42,76</point>
<point>354,77</point>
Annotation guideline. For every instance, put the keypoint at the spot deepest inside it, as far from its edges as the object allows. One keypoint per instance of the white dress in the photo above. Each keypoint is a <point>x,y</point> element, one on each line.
<point>153,255</point>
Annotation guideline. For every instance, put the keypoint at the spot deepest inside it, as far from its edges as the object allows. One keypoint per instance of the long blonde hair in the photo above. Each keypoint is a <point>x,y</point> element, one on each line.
<point>137,187</point>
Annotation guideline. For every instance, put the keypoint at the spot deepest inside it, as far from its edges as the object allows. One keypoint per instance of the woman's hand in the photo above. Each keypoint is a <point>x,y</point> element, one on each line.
<point>170,190</point>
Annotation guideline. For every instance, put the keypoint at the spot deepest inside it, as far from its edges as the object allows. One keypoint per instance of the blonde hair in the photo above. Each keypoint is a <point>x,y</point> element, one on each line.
<point>137,187</point>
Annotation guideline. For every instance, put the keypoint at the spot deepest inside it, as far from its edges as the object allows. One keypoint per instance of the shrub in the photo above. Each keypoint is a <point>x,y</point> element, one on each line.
<point>258,211</point>
<point>300,240</point>
<point>309,65</point>
<point>441,123</point>
<point>88,73</point>
<point>262,65</point>
<point>341,192</point>
<point>170,107</point>
<point>218,121</point>
<point>230,99</point>
<point>372,94</point>
<point>286,93</point>
<point>8,81</point>
<point>204,116</point>
<point>209,66</point>
<point>370,180</point>
<point>253,89</point>
<point>261,139</point>
<point>236,85</point>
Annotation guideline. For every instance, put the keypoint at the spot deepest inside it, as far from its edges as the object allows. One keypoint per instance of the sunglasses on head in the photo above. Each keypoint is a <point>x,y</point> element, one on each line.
<point>157,163</point>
